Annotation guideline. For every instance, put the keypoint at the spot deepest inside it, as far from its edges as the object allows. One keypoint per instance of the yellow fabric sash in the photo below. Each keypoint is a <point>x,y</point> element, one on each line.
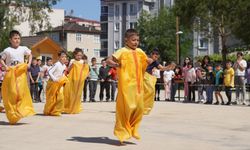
<point>54,97</point>
<point>16,94</point>
<point>73,89</point>
<point>149,92</point>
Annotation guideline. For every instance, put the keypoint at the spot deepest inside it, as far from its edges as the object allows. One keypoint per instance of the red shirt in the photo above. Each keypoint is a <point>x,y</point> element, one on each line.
<point>113,73</point>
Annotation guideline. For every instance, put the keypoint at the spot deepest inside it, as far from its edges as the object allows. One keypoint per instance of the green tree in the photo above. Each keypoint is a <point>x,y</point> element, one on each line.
<point>216,18</point>
<point>160,32</point>
<point>14,12</point>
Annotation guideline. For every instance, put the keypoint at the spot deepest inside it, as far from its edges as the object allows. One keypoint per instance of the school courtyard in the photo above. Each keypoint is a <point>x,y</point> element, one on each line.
<point>171,126</point>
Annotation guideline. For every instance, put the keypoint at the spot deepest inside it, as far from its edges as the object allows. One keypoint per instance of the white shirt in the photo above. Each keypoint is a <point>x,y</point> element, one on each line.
<point>168,75</point>
<point>72,60</point>
<point>45,70</point>
<point>156,73</point>
<point>10,55</point>
<point>57,71</point>
<point>238,72</point>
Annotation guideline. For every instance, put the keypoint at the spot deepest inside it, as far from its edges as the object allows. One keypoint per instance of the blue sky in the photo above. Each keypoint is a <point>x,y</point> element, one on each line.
<point>89,9</point>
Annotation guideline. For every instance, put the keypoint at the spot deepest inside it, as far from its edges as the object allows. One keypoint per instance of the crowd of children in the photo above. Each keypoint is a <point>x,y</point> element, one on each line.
<point>209,77</point>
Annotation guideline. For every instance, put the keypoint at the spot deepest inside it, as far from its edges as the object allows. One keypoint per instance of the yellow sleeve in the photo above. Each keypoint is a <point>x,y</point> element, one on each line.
<point>118,54</point>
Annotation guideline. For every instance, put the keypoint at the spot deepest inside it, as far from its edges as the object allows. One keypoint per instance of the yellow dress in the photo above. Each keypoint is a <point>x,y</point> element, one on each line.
<point>129,105</point>
<point>73,89</point>
<point>149,92</point>
<point>16,94</point>
<point>54,97</point>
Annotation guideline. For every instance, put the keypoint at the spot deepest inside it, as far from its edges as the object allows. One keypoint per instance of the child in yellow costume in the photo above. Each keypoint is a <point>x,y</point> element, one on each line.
<point>78,72</point>
<point>54,91</point>
<point>15,91</point>
<point>132,63</point>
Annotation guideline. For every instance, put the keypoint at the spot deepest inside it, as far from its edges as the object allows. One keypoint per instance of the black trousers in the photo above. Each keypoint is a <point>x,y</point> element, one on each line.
<point>105,85</point>
<point>92,90</point>
<point>85,90</point>
<point>34,89</point>
<point>191,91</point>
<point>228,93</point>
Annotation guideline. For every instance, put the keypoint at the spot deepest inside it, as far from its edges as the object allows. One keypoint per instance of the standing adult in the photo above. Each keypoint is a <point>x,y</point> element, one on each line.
<point>34,74</point>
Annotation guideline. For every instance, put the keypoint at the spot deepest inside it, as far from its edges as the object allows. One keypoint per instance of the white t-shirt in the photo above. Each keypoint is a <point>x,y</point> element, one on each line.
<point>156,73</point>
<point>45,70</point>
<point>72,60</point>
<point>168,75</point>
<point>57,71</point>
<point>11,55</point>
<point>238,72</point>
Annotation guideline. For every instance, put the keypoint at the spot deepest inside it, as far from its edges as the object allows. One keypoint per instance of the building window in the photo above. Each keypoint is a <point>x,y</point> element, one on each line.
<point>132,25</point>
<point>133,9</point>
<point>96,39</point>
<point>78,37</point>
<point>117,44</point>
<point>96,53</point>
<point>117,10</point>
<point>117,26</point>
<point>203,43</point>
<point>104,9</point>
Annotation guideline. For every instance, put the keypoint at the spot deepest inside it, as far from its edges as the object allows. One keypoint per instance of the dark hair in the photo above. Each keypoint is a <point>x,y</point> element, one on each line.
<point>93,59</point>
<point>218,65</point>
<point>13,33</point>
<point>190,63</point>
<point>34,58</point>
<point>240,53</point>
<point>77,50</point>
<point>48,59</point>
<point>85,57</point>
<point>205,57</point>
<point>184,64</point>
<point>155,51</point>
<point>180,70</point>
<point>131,32</point>
<point>62,52</point>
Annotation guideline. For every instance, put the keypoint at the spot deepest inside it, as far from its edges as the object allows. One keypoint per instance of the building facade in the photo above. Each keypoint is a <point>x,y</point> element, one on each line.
<point>72,35</point>
<point>119,15</point>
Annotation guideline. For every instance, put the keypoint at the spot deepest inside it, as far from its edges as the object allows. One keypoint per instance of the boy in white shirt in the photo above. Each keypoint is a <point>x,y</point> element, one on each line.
<point>15,90</point>
<point>54,91</point>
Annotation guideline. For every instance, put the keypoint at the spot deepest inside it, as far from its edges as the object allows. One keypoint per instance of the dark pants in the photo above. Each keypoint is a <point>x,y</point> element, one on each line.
<point>105,85</point>
<point>174,88</point>
<point>209,93</point>
<point>40,87</point>
<point>157,90</point>
<point>34,89</point>
<point>228,93</point>
<point>191,90</point>
<point>85,90</point>
<point>92,90</point>
<point>113,89</point>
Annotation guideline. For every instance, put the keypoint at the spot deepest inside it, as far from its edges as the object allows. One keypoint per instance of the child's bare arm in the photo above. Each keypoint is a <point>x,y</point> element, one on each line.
<point>30,60</point>
<point>111,61</point>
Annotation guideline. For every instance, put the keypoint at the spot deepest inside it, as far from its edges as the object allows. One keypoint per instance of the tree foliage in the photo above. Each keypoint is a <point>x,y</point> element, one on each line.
<point>160,32</point>
<point>14,12</point>
<point>221,18</point>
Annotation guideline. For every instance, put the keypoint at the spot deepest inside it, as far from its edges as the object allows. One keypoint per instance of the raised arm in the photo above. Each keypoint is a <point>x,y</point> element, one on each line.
<point>112,62</point>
